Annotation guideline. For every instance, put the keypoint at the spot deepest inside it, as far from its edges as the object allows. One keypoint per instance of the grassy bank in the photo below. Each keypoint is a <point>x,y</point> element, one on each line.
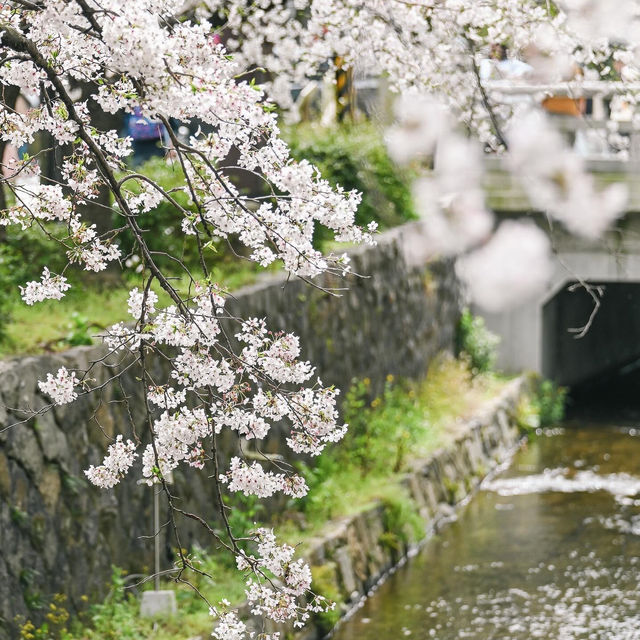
<point>85,310</point>
<point>407,422</point>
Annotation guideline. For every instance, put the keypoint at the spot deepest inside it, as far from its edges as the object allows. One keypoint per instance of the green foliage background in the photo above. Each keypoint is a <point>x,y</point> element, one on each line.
<point>355,157</point>
<point>476,343</point>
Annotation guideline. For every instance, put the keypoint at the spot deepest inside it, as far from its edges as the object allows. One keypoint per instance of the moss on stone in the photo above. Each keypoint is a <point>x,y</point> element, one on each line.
<point>325,583</point>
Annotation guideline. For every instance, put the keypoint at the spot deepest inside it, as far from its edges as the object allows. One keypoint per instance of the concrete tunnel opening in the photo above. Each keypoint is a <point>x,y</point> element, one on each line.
<point>601,368</point>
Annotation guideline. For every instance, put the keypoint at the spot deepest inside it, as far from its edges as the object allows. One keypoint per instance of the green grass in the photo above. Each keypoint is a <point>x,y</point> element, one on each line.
<point>118,618</point>
<point>46,326</point>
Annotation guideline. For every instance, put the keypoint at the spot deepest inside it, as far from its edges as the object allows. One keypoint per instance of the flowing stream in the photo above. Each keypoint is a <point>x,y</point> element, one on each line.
<point>549,549</point>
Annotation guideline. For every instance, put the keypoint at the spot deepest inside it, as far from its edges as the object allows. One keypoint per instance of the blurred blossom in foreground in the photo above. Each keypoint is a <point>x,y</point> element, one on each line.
<point>421,120</point>
<point>556,181</point>
<point>549,55</point>
<point>594,20</point>
<point>452,222</point>
<point>458,163</point>
<point>512,267</point>
<point>450,200</point>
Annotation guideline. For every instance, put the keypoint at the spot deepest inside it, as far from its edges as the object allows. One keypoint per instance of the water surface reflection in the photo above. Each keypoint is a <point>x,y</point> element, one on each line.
<point>550,549</point>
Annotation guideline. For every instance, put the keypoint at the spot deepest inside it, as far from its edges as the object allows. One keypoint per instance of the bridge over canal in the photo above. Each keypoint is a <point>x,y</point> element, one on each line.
<point>547,333</point>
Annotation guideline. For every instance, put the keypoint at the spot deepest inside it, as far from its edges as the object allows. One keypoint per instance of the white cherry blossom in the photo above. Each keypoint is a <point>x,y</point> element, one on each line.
<point>120,456</point>
<point>49,288</point>
<point>145,58</point>
<point>254,480</point>
<point>60,388</point>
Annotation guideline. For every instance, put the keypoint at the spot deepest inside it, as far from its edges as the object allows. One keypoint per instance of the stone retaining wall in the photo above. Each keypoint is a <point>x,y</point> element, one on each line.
<point>58,534</point>
<point>361,549</point>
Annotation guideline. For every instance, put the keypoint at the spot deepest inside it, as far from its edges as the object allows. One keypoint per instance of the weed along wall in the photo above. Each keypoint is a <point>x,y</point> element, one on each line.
<point>60,535</point>
<point>359,550</point>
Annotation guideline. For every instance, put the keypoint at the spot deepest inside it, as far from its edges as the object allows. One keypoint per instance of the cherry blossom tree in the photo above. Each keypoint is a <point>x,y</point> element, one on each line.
<point>141,56</point>
<point>431,52</point>
<point>145,55</point>
<point>426,45</point>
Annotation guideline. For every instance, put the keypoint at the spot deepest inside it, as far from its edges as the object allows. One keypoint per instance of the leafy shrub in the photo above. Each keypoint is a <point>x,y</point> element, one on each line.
<point>402,520</point>
<point>527,416</point>
<point>382,430</point>
<point>162,225</point>
<point>476,343</point>
<point>79,331</point>
<point>551,401</point>
<point>356,158</point>
<point>544,408</point>
<point>117,617</point>
<point>381,434</point>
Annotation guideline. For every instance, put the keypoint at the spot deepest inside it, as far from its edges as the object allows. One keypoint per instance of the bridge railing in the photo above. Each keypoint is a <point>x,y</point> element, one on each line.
<point>599,119</point>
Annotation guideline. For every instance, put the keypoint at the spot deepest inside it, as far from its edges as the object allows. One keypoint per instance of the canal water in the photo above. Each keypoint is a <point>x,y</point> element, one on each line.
<point>548,549</point>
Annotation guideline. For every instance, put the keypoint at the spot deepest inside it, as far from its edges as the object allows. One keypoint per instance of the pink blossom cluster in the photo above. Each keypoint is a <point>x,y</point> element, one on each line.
<point>166,397</point>
<point>429,46</point>
<point>130,53</point>
<point>294,581</point>
<point>275,356</point>
<point>242,404</point>
<point>277,583</point>
<point>254,480</point>
<point>175,436</point>
<point>139,300</point>
<point>61,387</point>
<point>120,456</point>
<point>49,288</point>
<point>229,626</point>
<point>418,46</point>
